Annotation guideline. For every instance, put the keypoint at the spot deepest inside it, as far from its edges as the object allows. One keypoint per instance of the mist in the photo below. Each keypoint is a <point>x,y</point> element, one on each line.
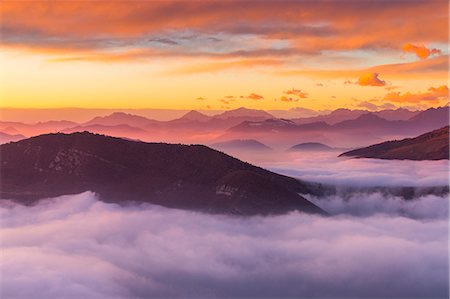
<point>328,168</point>
<point>79,247</point>
<point>369,204</point>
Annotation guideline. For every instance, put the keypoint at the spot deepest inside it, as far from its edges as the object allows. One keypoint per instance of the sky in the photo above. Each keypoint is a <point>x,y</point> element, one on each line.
<point>224,54</point>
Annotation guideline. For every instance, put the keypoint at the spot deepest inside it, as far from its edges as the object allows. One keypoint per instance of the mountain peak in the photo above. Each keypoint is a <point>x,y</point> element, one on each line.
<point>195,116</point>
<point>245,112</point>
<point>119,118</point>
<point>429,146</point>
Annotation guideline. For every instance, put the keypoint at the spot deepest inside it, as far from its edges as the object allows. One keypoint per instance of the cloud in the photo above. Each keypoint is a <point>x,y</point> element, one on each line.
<point>296,92</point>
<point>391,87</point>
<point>288,99</point>
<point>420,51</point>
<point>218,66</point>
<point>433,95</point>
<point>363,204</point>
<point>78,247</point>
<point>361,172</point>
<point>370,79</point>
<point>194,27</point>
<point>254,96</point>
<point>436,67</point>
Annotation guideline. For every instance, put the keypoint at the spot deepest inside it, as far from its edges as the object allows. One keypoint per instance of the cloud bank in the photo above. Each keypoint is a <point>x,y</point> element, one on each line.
<point>368,204</point>
<point>78,247</point>
<point>360,172</point>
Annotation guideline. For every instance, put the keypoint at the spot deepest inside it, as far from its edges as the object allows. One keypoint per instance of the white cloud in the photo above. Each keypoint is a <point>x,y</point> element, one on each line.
<point>327,168</point>
<point>78,247</point>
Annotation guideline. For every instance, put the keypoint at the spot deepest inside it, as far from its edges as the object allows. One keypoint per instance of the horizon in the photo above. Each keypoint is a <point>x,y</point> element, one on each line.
<point>32,115</point>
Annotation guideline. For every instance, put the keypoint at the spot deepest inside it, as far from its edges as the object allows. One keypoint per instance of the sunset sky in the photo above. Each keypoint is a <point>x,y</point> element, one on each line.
<point>224,54</point>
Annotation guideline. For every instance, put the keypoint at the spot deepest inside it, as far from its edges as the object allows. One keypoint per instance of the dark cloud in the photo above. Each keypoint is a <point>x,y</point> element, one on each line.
<point>323,26</point>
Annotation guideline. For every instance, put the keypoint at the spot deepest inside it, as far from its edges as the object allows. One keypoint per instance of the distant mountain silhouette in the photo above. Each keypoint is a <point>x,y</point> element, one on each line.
<point>191,177</point>
<point>364,121</point>
<point>341,128</point>
<point>121,118</point>
<point>37,128</point>
<point>269,124</point>
<point>431,119</point>
<point>194,116</point>
<point>241,144</point>
<point>333,117</point>
<point>397,114</point>
<point>343,114</point>
<point>5,137</point>
<point>246,113</point>
<point>429,146</point>
<point>310,146</point>
<point>366,128</point>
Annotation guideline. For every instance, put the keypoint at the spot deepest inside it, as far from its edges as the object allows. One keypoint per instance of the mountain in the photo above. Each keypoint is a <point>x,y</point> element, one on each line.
<point>121,118</point>
<point>5,137</point>
<point>245,113</point>
<point>343,114</point>
<point>429,146</point>
<point>333,117</point>
<point>265,125</point>
<point>397,114</point>
<point>241,144</point>
<point>310,146</point>
<point>194,116</point>
<point>36,128</point>
<point>431,119</point>
<point>368,120</point>
<point>192,177</point>
<point>124,131</point>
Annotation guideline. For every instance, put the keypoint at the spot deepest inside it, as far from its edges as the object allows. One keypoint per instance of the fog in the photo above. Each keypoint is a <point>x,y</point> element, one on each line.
<point>326,167</point>
<point>79,247</point>
<point>368,204</point>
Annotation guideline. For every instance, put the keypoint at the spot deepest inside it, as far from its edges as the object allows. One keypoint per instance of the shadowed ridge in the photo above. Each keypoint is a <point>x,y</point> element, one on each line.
<point>192,177</point>
<point>433,145</point>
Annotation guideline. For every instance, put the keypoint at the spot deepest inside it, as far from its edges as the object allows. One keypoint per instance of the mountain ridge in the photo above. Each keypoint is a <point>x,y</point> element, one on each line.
<point>192,177</point>
<point>429,146</point>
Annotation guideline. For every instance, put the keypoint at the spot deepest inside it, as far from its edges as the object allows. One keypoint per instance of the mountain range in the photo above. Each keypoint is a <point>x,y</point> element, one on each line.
<point>340,128</point>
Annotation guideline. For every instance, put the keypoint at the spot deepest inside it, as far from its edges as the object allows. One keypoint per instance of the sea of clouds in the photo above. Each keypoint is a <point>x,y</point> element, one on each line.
<point>78,247</point>
<point>328,168</point>
<point>374,245</point>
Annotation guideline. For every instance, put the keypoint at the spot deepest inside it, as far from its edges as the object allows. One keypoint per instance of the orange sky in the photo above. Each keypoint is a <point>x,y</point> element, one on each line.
<point>223,55</point>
